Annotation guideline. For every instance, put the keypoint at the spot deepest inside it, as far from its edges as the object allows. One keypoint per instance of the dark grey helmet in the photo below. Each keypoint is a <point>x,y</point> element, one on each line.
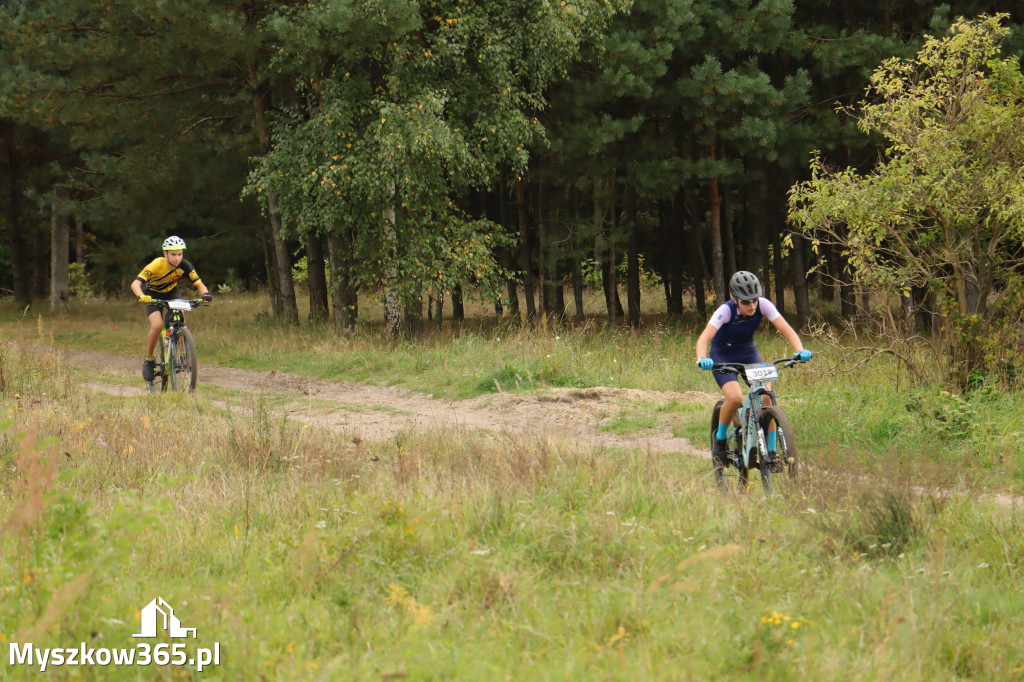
<point>745,286</point>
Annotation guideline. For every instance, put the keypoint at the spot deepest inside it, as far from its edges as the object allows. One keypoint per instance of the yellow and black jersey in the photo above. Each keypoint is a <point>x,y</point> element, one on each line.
<point>159,277</point>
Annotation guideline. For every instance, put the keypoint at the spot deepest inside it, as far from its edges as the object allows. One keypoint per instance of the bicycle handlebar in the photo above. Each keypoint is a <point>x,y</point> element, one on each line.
<point>741,368</point>
<point>162,302</point>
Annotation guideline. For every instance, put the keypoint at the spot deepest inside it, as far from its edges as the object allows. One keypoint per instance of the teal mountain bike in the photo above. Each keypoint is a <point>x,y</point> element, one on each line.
<point>747,442</point>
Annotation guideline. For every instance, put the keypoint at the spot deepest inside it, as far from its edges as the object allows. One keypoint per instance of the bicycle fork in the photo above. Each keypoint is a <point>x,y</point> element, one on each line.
<point>166,337</point>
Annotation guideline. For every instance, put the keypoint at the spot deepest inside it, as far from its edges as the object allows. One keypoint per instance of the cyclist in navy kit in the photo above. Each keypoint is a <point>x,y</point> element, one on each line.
<point>731,335</point>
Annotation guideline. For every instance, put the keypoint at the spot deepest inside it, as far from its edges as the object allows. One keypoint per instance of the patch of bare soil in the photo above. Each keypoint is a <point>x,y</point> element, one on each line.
<point>380,412</point>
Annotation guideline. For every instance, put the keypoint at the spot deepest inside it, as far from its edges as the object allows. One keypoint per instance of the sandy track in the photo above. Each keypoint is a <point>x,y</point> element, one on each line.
<point>379,412</point>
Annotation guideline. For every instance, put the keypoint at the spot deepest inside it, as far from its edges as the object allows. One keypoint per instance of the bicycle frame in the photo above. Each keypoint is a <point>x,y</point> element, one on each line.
<point>173,326</point>
<point>173,321</point>
<point>748,417</point>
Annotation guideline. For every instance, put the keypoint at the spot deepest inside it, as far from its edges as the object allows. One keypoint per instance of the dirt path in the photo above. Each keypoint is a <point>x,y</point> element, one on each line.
<point>379,412</point>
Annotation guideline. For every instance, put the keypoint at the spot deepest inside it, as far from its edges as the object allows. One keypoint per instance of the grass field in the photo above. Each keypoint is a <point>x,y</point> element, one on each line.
<point>455,555</point>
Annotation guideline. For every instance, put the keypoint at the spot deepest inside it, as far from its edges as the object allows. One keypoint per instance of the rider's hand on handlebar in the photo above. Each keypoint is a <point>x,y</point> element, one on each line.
<point>802,355</point>
<point>145,299</point>
<point>207,297</point>
<point>705,363</point>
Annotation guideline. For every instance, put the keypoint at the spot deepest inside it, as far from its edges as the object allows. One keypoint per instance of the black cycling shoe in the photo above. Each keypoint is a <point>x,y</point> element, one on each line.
<point>775,463</point>
<point>719,452</point>
<point>148,369</point>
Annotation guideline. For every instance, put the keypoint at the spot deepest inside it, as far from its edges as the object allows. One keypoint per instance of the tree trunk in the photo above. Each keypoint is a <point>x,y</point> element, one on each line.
<point>318,296</point>
<point>60,240</point>
<point>907,310</point>
<point>413,315</point>
<point>458,307</point>
<point>343,291</point>
<point>612,285</point>
<point>717,264</point>
<point>778,264</point>
<point>288,310</point>
<point>696,254</point>
<point>392,304</point>
<point>506,257</point>
<point>674,224</point>
<point>542,253</point>
<point>577,254</point>
<point>270,262</point>
<point>760,192</point>
<point>925,310</point>
<point>512,288</point>
<point>41,257</point>
<point>730,257</point>
<point>577,288</point>
<point>286,285</point>
<point>79,242</point>
<point>554,288</point>
<point>525,246</point>
<point>633,261</point>
<point>803,308</point>
<point>21,266</point>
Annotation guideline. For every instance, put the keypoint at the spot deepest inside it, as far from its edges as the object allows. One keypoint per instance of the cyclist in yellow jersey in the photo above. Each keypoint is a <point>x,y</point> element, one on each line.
<point>158,281</point>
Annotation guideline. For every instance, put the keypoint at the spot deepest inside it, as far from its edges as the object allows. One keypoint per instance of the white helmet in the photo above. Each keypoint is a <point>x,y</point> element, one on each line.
<point>174,244</point>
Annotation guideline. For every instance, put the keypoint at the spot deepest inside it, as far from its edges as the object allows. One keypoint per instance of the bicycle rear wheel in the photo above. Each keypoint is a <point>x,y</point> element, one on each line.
<point>184,367</point>
<point>785,459</point>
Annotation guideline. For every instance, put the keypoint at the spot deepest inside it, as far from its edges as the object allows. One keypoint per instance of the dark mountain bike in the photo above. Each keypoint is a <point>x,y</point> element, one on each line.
<point>746,444</point>
<point>177,365</point>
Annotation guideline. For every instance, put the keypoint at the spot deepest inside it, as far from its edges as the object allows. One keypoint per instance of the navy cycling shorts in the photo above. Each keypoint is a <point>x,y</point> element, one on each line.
<point>747,355</point>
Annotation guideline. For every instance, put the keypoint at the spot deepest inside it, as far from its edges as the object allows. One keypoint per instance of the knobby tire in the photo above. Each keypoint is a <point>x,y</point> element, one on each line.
<point>786,459</point>
<point>162,366</point>
<point>183,366</point>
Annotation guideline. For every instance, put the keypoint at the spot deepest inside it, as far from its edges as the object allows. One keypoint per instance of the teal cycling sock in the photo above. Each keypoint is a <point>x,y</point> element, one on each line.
<point>772,437</point>
<point>723,431</point>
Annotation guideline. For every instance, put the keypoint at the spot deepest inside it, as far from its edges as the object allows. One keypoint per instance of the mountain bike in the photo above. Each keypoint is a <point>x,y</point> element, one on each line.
<point>746,444</point>
<point>177,365</point>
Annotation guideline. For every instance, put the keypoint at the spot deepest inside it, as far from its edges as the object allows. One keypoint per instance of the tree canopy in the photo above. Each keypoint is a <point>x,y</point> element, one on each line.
<point>432,147</point>
<point>943,210</point>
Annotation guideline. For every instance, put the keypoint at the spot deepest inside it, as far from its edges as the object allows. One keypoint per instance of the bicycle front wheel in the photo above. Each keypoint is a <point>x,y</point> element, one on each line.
<point>161,365</point>
<point>184,367</point>
<point>784,459</point>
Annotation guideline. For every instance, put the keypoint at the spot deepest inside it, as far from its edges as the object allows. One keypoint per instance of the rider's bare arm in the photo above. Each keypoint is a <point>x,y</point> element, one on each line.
<point>705,339</point>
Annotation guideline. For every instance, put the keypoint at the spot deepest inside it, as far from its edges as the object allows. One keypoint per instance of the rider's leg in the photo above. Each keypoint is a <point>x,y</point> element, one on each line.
<point>733,399</point>
<point>773,433</point>
<point>156,325</point>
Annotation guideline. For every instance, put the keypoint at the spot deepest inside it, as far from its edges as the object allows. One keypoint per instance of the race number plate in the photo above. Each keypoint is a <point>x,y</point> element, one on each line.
<point>179,305</point>
<point>764,372</point>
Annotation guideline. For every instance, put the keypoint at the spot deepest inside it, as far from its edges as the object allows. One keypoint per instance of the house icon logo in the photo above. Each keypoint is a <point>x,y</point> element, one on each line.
<point>159,612</point>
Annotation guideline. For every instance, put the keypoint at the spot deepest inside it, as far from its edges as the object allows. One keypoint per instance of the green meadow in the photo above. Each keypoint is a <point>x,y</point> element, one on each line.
<point>453,554</point>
